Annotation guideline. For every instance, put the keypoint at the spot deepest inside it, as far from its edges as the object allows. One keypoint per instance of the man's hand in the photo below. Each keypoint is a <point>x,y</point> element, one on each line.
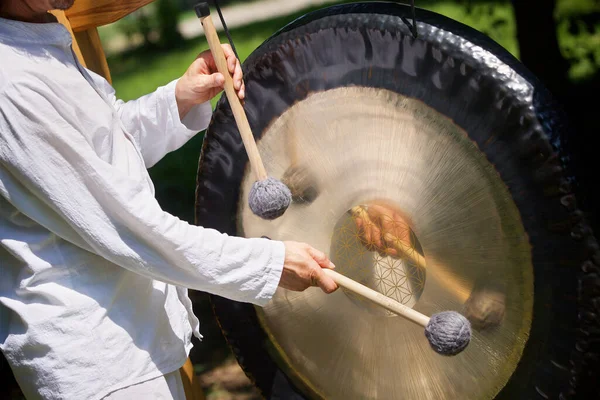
<point>302,268</point>
<point>202,81</point>
<point>382,228</point>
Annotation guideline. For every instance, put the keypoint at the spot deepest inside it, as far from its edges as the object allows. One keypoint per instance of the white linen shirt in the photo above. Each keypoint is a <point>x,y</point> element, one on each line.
<point>92,271</point>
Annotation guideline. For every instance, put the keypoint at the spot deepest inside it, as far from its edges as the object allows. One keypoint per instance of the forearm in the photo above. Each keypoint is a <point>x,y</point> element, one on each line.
<point>51,173</point>
<point>136,235</point>
<point>156,121</point>
<point>160,122</point>
<point>184,104</point>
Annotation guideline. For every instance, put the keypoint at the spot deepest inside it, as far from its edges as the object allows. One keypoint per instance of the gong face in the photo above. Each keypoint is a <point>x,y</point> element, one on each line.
<point>393,273</point>
<point>432,170</point>
<point>423,168</point>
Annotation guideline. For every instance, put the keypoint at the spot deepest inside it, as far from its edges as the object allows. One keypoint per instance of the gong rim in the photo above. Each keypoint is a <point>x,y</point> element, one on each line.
<point>212,211</point>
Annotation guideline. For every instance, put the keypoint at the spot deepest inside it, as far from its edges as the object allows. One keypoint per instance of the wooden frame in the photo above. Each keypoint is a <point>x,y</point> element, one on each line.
<point>83,20</point>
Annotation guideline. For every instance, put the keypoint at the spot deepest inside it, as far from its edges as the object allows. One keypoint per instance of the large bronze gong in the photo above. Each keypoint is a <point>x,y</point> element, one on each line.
<point>445,132</point>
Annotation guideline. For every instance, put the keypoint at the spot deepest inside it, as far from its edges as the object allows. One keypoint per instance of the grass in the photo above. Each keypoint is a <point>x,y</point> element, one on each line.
<point>131,80</point>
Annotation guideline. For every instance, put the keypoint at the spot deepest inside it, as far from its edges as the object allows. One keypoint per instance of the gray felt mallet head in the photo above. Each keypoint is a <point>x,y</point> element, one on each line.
<point>448,332</point>
<point>269,198</point>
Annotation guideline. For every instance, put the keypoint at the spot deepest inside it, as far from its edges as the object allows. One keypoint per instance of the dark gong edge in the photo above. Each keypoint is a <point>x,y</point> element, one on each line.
<point>584,355</point>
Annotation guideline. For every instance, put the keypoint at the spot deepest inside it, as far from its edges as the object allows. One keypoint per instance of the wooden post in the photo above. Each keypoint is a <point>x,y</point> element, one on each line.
<point>191,385</point>
<point>87,46</point>
<point>62,18</point>
<point>93,53</point>
<point>83,20</point>
<point>86,14</point>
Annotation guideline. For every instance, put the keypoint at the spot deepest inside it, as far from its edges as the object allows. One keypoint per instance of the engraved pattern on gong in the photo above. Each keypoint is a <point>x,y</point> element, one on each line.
<point>378,251</point>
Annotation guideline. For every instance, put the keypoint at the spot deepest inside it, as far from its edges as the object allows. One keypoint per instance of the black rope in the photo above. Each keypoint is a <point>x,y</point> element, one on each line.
<point>226,30</point>
<point>414,24</point>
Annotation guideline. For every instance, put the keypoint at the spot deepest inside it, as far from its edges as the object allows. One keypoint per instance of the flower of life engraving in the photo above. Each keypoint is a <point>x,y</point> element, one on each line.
<point>375,250</point>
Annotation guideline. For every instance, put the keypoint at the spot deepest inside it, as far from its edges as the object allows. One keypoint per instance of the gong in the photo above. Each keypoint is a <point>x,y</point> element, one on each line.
<point>451,144</point>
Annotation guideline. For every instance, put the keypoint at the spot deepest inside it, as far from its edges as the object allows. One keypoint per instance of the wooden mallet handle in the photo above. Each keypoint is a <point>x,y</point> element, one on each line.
<point>203,13</point>
<point>378,298</point>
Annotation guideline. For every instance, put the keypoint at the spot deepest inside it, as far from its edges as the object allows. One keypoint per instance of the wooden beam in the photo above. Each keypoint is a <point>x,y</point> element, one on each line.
<point>93,53</point>
<point>191,383</point>
<point>61,17</point>
<point>86,14</point>
<point>87,47</point>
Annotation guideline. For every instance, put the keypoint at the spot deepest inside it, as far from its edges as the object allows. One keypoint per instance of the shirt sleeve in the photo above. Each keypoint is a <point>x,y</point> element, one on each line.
<point>50,173</point>
<point>153,120</point>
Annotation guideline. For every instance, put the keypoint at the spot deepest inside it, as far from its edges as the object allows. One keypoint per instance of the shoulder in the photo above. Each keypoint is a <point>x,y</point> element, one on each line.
<point>10,65</point>
<point>20,74</point>
<point>29,105</point>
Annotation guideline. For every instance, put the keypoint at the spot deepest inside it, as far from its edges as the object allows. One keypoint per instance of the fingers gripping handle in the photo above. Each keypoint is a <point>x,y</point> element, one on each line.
<point>378,298</point>
<point>203,13</point>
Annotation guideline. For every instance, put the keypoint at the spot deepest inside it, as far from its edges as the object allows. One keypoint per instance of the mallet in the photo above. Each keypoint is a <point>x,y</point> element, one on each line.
<point>269,198</point>
<point>448,332</point>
